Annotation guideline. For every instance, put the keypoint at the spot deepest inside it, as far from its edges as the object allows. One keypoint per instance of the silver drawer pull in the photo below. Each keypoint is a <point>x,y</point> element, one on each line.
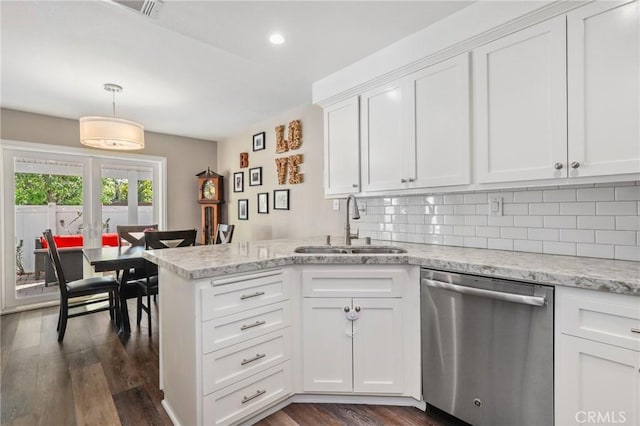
<point>255,324</point>
<point>249,296</point>
<point>255,395</point>
<point>255,358</point>
<point>635,330</point>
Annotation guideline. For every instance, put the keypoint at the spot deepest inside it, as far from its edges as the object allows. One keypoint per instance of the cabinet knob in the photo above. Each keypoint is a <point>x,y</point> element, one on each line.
<point>357,308</point>
<point>347,308</point>
<point>403,180</point>
<point>575,164</point>
<point>355,185</point>
<point>558,166</point>
<point>411,179</point>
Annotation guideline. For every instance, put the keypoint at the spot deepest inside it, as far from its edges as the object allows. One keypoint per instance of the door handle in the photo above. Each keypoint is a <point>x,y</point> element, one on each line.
<point>498,295</point>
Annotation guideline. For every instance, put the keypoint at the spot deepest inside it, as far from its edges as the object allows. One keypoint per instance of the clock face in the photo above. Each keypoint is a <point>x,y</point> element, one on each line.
<point>209,190</point>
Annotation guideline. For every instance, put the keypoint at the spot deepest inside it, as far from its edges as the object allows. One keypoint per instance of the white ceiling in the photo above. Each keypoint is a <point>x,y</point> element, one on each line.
<point>203,69</point>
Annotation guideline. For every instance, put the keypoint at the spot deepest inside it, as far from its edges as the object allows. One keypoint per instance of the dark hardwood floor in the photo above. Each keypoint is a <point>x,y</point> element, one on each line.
<point>96,377</point>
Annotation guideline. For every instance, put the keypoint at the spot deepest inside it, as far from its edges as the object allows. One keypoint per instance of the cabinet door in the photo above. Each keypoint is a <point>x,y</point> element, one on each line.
<point>327,357</point>
<point>382,138</point>
<point>378,346</point>
<point>341,154</point>
<point>603,89</point>
<point>520,104</point>
<point>440,130</point>
<point>596,379</point>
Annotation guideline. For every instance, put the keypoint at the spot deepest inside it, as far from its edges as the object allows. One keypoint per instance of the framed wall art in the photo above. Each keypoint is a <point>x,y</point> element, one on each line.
<point>258,141</point>
<point>281,199</point>
<point>238,182</point>
<point>243,209</point>
<point>263,202</point>
<point>255,176</point>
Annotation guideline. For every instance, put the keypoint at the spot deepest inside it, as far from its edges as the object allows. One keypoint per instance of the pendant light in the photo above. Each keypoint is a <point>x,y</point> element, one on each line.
<point>111,132</point>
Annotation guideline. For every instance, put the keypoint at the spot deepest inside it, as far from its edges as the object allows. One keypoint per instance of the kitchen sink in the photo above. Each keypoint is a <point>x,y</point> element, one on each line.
<point>349,250</point>
<point>320,250</point>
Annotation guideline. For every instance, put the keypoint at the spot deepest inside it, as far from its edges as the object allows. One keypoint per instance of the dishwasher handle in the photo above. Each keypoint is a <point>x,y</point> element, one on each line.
<point>498,295</point>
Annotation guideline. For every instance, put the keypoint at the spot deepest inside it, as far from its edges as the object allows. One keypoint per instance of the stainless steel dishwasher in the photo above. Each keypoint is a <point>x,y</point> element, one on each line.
<point>487,349</point>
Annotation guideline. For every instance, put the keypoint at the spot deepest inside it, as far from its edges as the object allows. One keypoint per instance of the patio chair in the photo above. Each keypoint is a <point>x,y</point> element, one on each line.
<point>70,291</point>
<point>155,240</point>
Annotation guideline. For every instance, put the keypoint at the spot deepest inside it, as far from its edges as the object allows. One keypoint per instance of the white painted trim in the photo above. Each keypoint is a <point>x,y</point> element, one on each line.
<point>468,28</point>
<point>170,413</point>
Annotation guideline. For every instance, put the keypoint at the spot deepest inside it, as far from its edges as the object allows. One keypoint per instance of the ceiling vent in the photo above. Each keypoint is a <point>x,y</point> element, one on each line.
<point>149,8</point>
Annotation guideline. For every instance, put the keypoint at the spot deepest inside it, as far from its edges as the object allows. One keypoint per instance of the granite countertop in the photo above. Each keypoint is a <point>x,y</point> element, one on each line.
<point>616,276</point>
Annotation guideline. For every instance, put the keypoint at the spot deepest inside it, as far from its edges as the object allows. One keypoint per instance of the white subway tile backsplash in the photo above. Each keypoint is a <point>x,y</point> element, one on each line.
<point>587,220</point>
<point>513,233</point>
<point>595,250</point>
<point>595,194</point>
<point>628,193</point>
<point>463,209</point>
<point>582,208</point>
<point>577,235</point>
<point>477,242</point>
<point>500,221</point>
<point>616,208</point>
<point>628,223</point>
<point>528,221</point>
<point>623,238</point>
<point>627,253</point>
<point>527,197</point>
<point>541,209</point>
<point>560,221</point>
<point>454,199</point>
<point>500,244</point>
<point>550,195</point>
<point>527,245</point>
<point>475,220</point>
<point>553,247</point>
<point>543,234</point>
<point>475,198</point>
<point>464,230</point>
<point>596,222</point>
<point>515,209</point>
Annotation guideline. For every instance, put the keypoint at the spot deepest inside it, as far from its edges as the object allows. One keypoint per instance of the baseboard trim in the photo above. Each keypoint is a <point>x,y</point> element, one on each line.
<point>170,413</point>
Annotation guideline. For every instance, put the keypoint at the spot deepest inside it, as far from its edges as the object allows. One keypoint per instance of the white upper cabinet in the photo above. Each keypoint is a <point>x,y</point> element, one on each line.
<point>382,138</point>
<point>341,142</point>
<point>439,144</point>
<point>520,105</point>
<point>603,75</point>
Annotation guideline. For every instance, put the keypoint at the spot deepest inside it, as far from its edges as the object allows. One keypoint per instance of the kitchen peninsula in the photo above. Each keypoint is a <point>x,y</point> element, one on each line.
<point>255,326</point>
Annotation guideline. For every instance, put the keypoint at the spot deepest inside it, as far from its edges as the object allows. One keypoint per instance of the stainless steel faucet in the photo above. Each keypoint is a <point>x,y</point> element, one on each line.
<point>356,215</point>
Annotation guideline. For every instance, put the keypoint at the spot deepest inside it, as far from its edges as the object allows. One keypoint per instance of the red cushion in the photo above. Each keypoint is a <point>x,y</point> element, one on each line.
<point>77,241</point>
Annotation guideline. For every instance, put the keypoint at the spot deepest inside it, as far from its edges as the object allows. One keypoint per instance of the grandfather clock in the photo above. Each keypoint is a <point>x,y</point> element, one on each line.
<point>210,198</point>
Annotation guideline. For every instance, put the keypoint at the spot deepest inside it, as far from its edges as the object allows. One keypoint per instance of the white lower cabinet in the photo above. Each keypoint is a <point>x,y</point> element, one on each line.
<point>597,358</point>
<point>353,344</point>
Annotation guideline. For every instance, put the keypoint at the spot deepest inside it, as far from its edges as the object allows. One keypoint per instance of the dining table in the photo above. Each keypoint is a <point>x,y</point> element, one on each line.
<point>123,258</point>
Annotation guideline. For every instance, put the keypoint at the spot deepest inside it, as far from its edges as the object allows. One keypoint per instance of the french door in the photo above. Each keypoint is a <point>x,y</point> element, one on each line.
<point>82,194</point>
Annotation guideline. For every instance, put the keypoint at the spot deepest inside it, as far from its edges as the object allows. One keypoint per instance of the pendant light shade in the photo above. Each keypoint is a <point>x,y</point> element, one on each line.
<point>111,132</point>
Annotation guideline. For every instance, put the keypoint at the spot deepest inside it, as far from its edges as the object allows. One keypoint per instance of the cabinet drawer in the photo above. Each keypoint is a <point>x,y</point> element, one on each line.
<point>599,316</point>
<point>240,361</point>
<point>247,397</point>
<point>231,329</point>
<point>228,296</point>
<point>353,282</point>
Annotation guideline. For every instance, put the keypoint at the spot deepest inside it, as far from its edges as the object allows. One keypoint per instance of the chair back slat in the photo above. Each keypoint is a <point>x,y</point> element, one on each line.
<point>54,255</point>
<point>155,240</point>
<point>224,234</point>
<point>133,234</point>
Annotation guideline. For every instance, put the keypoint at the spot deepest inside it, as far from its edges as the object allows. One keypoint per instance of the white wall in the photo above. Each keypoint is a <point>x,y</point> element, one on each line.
<point>310,214</point>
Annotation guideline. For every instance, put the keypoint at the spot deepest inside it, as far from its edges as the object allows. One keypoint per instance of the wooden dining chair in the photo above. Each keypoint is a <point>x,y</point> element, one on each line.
<point>155,240</point>
<point>224,233</point>
<point>72,290</point>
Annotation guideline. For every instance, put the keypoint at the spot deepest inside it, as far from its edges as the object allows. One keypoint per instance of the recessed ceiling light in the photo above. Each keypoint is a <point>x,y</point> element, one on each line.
<point>276,38</point>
